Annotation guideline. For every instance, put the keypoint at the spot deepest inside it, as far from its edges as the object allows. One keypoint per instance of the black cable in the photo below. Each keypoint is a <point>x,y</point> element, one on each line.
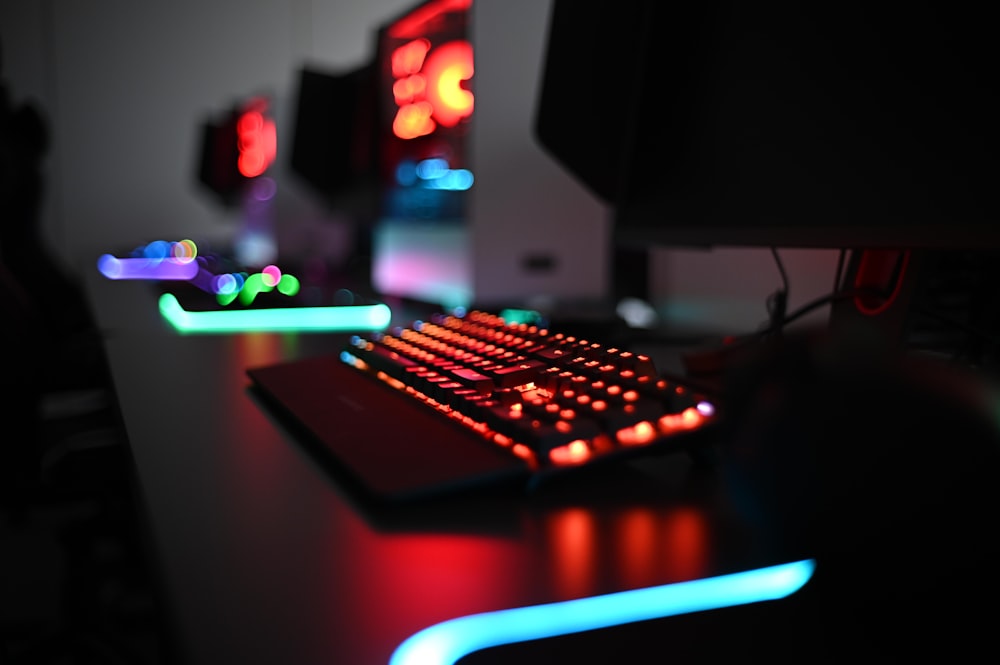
<point>781,268</point>
<point>812,305</point>
<point>839,274</point>
<point>777,302</point>
<point>853,293</point>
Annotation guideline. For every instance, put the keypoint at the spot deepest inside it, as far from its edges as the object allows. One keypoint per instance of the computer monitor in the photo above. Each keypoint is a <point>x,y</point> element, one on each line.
<point>236,148</point>
<point>334,143</point>
<point>821,125</point>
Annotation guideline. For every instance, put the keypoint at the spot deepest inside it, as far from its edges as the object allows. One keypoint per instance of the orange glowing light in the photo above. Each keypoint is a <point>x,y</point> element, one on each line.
<point>429,87</point>
<point>522,451</point>
<point>413,120</point>
<point>638,434</point>
<point>689,418</point>
<point>574,452</point>
<point>408,89</point>
<point>409,58</point>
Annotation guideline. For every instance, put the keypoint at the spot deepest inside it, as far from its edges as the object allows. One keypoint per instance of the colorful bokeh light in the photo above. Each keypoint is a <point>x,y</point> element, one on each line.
<point>157,260</point>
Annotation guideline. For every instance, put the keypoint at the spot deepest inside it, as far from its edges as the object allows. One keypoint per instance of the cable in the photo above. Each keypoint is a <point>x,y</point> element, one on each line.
<point>839,274</point>
<point>853,293</point>
<point>777,302</point>
<point>781,268</point>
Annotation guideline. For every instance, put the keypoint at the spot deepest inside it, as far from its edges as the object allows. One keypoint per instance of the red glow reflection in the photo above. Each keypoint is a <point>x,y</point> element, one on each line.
<point>415,23</point>
<point>575,544</point>
<point>639,551</point>
<point>687,533</point>
<point>640,547</point>
<point>400,584</point>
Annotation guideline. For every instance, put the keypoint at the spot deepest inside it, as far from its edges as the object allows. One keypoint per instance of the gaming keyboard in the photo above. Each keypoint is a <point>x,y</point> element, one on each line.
<point>462,401</point>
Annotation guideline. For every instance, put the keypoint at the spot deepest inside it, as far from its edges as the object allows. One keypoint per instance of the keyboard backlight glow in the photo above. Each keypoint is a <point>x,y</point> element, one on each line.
<point>575,452</point>
<point>687,419</point>
<point>691,417</point>
<point>638,434</point>
<point>445,643</point>
<point>278,319</point>
<point>522,451</point>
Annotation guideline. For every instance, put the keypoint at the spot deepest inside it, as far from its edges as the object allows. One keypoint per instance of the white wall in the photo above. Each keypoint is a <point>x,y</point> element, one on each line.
<point>125,84</point>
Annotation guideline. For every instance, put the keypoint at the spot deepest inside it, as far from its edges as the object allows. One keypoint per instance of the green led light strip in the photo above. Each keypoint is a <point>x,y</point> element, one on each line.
<point>277,319</point>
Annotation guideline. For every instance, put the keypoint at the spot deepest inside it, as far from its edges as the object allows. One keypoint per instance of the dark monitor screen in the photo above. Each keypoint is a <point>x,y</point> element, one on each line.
<point>334,140</point>
<point>847,124</point>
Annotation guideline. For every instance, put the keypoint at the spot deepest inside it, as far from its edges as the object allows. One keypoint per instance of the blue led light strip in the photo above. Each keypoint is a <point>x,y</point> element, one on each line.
<point>446,642</point>
<point>277,319</point>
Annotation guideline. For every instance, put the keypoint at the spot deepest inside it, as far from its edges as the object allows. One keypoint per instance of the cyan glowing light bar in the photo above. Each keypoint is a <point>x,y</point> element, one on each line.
<point>528,316</point>
<point>446,642</point>
<point>277,319</point>
<point>146,268</point>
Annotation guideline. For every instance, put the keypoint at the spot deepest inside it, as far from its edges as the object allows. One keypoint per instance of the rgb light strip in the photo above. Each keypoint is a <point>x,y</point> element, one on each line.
<point>146,268</point>
<point>277,319</point>
<point>446,642</point>
<point>159,260</point>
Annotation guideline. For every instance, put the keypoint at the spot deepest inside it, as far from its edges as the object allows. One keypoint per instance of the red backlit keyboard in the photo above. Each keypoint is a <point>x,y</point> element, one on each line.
<point>459,401</point>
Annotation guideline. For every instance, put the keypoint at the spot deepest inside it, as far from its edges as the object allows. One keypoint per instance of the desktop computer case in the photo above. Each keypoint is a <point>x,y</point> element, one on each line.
<point>533,234</point>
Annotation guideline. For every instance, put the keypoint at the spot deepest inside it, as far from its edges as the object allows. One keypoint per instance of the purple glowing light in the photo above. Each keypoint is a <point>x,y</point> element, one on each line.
<point>146,268</point>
